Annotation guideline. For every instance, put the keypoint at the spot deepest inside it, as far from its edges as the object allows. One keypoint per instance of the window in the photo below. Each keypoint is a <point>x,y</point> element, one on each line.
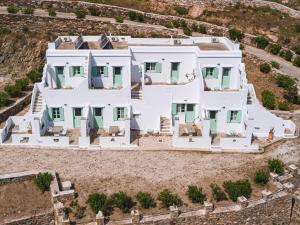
<point>226,71</point>
<point>180,108</point>
<point>117,70</point>
<point>190,107</point>
<point>100,70</point>
<point>151,67</point>
<point>234,116</point>
<point>98,111</point>
<point>76,70</point>
<point>209,72</point>
<point>175,66</point>
<point>59,70</point>
<point>77,111</point>
<point>120,113</point>
<point>56,114</point>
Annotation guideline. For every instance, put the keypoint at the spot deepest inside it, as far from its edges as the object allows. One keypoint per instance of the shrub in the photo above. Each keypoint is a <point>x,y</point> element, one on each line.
<point>297,61</point>
<point>23,83</point>
<point>187,31</point>
<point>13,9</point>
<point>4,98</point>
<point>242,46</point>
<point>218,193</point>
<point>34,76</point>
<point>13,90</point>
<point>132,15</point>
<point>275,64</point>
<point>237,189</point>
<point>236,34</point>
<point>94,11</point>
<point>51,12</point>
<point>268,99</point>
<point>297,49</point>
<point>145,199</point>
<point>261,177</point>
<point>287,55</point>
<point>195,194</point>
<point>285,81</point>
<point>122,201</point>
<point>297,28</point>
<point>265,67</point>
<point>167,199</point>
<point>261,42</point>
<point>80,13</point>
<point>119,19</point>
<point>176,24</point>
<point>140,17</point>
<point>27,10</point>
<point>77,209</point>
<point>284,106</point>
<point>201,29</point>
<point>5,30</point>
<point>99,201</point>
<point>275,48</point>
<point>43,181</point>
<point>183,23</point>
<point>181,10</point>
<point>276,166</point>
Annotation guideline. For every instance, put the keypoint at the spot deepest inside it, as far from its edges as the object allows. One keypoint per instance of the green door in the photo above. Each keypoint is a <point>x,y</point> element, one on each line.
<point>213,120</point>
<point>174,72</point>
<point>117,76</point>
<point>60,77</point>
<point>98,118</point>
<point>77,114</point>
<point>190,113</point>
<point>226,78</point>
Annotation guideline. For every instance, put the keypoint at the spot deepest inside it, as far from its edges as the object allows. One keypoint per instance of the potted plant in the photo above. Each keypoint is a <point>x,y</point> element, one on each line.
<point>271,133</point>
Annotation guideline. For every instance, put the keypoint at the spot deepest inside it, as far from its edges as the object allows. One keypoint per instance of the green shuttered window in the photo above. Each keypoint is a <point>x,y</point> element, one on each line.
<point>234,116</point>
<point>120,113</point>
<point>210,72</point>
<point>56,114</point>
<point>153,67</point>
<point>98,71</point>
<point>76,71</point>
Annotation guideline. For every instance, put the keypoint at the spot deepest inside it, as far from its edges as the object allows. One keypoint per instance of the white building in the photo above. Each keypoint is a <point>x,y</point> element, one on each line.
<point>96,90</point>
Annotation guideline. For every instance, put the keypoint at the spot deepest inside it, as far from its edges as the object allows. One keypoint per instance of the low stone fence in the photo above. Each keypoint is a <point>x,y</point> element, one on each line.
<point>15,108</point>
<point>38,219</point>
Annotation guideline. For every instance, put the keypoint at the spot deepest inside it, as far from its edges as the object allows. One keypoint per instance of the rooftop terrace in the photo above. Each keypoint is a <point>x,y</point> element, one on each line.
<point>124,42</point>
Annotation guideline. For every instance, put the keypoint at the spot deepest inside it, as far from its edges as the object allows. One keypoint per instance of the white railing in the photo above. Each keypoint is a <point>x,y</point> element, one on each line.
<point>33,96</point>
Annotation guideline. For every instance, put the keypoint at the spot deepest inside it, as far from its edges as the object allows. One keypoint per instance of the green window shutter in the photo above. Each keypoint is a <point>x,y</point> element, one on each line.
<point>125,112</point>
<point>228,116</point>
<point>50,114</point>
<point>174,105</point>
<point>204,72</point>
<point>94,71</point>
<point>105,71</point>
<point>81,71</point>
<point>158,68</point>
<point>115,114</point>
<point>239,116</point>
<point>216,72</point>
<point>61,113</point>
<point>71,71</point>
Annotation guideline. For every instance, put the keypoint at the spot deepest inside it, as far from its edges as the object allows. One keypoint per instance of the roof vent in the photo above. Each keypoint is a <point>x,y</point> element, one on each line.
<point>215,40</point>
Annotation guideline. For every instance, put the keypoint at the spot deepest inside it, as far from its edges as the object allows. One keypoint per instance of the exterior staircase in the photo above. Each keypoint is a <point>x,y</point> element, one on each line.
<point>249,99</point>
<point>165,126</point>
<point>136,94</point>
<point>38,103</point>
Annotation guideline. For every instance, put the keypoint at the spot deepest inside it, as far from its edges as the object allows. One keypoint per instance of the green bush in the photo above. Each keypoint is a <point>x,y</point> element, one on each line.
<point>287,55</point>
<point>275,48</point>
<point>176,23</point>
<point>261,42</point>
<point>132,15</point>
<point>195,194</point>
<point>242,46</point>
<point>122,201</point>
<point>285,81</point>
<point>275,64</point>
<point>276,166</point>
<point>297,27</point>
<point>145,199</point>
<point>284,106</point>
<point>33,76</point>
<point>99,201</point>
<point>265,68</point>
<point>119,19</point>
<point>140,17</point>
<point>5,30</point>
<point>297,49</point>
<point>43,181</point>
<point>236,34</point>
<point>94,11</point>
<point>238,188</point>
<point>181,10</point>
<point>23,83</point>
<point>80,13</point>
<point>201,29</point>
<point>51,12</point>
<point>4,99</point>
<point>187,31</point>
<point>261,177</point>
<point>167,199</point>
<point>296,61</point>
<point>268,99</point>
<point>218,193</point>
<point>13,90</point>
<point>27,10</point>
<point>13,9</point>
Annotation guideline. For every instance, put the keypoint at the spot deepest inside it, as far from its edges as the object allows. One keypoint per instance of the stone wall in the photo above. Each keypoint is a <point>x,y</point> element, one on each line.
<point>15,108</point>
<point>40,219</point>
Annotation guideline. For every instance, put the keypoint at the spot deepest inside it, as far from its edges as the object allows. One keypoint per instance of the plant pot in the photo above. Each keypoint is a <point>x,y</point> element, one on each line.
<point>271,136</point>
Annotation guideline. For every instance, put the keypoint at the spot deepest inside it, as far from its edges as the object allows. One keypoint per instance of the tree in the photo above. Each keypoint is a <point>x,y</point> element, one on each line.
<point>275,48</point>
<point>4,98</point>
<point>261,177</point>
<point>195,194</point>
<point>145,199</point>
<point>276,166</point>
<point>236,34</point>
<point>268,99</point>
<point>99,202</point>
<point>237,189</point>
<point>265,68</point>
<point>167,199</point>
<point>261,42</point>
<point>43,181</point>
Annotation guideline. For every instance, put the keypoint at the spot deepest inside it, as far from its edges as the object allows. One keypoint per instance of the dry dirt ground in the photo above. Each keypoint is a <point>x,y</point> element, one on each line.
<point>22,199</point>
<point>152,171</point>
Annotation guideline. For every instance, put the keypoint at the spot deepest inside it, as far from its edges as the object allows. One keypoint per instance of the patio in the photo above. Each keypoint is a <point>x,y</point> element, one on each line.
<point>189,129</point>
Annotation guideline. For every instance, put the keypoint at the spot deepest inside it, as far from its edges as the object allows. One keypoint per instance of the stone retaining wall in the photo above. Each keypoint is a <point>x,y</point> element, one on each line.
<point>40,219</point>
<point>16,107</point>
